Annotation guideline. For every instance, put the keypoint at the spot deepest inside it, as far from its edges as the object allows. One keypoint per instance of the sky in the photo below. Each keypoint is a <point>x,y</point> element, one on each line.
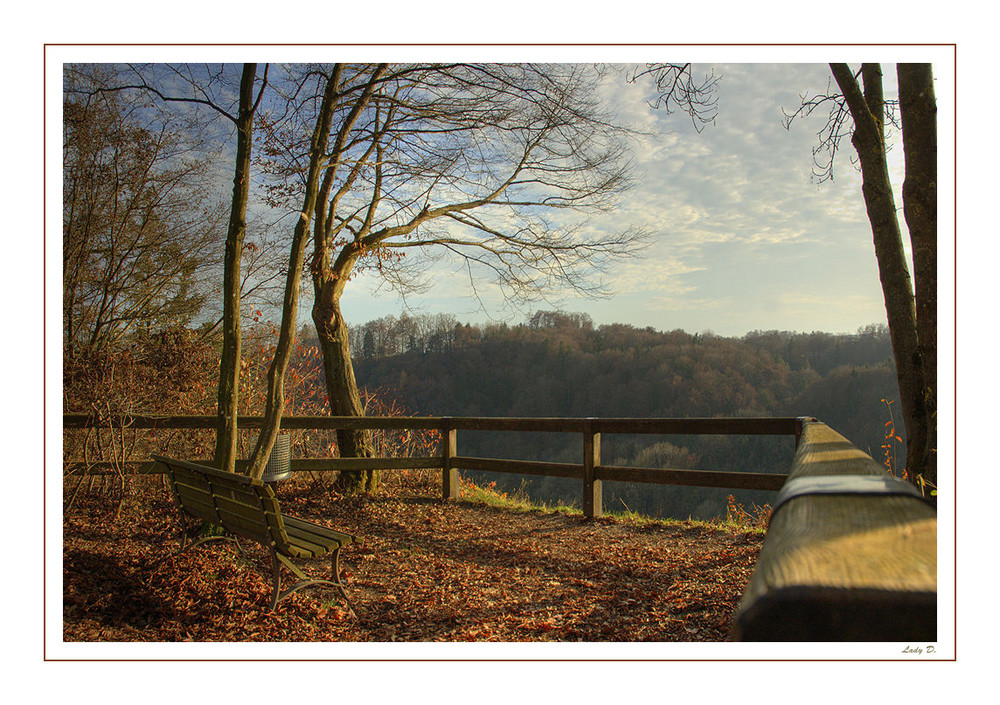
<point>743,237</point>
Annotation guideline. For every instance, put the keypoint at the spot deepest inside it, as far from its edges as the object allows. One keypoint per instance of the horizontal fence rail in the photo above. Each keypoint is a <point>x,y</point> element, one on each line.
<point>751,426</point>
<point>591,472</point>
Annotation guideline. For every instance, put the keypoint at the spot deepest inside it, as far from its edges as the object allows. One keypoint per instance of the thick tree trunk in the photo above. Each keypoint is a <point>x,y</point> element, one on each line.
<point>868,112</point>
<point>918,110</point>
<point>342,388</point>
<point>229,367</point>
<point>329,280</point>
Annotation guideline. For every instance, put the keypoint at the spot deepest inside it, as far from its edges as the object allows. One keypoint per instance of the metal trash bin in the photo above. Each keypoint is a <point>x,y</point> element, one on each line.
<point>279,465</point>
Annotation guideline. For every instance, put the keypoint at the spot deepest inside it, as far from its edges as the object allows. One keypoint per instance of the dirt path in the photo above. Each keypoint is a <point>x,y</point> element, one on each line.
<point>428,571</point>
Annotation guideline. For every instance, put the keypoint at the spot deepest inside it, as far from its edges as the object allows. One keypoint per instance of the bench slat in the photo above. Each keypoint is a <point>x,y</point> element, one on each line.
<point>200,506</point>
<point>311,539</point>
<point>190,479</point>
<point>323,531</point>
<point>304,547</point>
<point>247,528</point>
<point>245,495</point>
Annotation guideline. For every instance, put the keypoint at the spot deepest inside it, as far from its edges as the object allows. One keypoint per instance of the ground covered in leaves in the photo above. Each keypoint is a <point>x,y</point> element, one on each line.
<point>427,571</point>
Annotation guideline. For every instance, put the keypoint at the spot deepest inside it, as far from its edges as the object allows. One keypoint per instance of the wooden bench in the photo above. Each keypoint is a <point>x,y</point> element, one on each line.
<point>850,553</point>
<point>247,508</point>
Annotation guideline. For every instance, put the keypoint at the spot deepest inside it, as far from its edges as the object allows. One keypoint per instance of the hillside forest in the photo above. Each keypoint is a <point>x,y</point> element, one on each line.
<point>561,364</point>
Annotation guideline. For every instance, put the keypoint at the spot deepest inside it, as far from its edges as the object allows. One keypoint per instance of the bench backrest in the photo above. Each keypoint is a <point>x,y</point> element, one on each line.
<point>240,504</point>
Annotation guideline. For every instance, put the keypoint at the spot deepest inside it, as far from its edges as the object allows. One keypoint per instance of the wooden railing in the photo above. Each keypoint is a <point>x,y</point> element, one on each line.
<point>850,553</point>
<point>590,471</point>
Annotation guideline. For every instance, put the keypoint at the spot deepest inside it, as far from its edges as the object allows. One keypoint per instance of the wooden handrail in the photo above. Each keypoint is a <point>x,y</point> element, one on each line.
<point>850,554</point>
<point>591,471</point>
<point>253,422</point>
<point>699,478</point>
<point>779,426</point>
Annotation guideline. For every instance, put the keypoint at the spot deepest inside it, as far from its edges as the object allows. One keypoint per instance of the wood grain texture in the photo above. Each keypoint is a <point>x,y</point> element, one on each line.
<point>843,567</point>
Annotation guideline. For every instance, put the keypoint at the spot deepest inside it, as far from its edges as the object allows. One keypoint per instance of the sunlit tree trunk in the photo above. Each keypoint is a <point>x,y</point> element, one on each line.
<point>330,276</point>
<point>867,110</point>
<point>342,389</point>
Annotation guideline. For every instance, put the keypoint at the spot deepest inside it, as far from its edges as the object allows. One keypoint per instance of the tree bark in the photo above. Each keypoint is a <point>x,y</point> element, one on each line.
<point>229,367</point>
<point>918,110</point>
<point>286,337</point>
<point>342,388</point>
<point>329,280</point>
<point>867,110</point>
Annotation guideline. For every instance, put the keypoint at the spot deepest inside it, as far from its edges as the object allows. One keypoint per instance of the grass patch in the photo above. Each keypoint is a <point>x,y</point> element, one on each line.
<point>738,519</point>
<point>516,501</point>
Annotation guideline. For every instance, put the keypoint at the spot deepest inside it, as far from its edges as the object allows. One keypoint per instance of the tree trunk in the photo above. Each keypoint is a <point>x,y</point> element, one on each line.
<point>868,139</point>
<point>229,367</point>
<point>342,388</point>
<point>329,280</point>
<point>289,313</point>
<point>918,110</point>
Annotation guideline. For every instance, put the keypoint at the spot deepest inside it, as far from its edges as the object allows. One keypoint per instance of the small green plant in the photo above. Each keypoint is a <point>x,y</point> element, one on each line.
<point>927,487</point>
<point>207,529</point>
<point>890,442</point>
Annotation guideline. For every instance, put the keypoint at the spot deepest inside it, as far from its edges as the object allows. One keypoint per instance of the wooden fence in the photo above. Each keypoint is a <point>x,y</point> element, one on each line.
<point>850,553</point>
<point>590,471</point>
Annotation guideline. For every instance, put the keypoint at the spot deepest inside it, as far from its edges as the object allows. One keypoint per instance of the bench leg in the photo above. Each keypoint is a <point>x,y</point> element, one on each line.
<point>277,595</point>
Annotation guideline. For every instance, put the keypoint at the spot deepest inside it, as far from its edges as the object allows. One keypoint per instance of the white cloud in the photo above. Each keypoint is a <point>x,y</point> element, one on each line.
<point>651,275</point>
<point>739,228</point>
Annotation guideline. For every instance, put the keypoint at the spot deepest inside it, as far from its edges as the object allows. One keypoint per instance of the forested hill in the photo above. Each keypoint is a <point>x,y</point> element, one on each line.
<point>559,364</point>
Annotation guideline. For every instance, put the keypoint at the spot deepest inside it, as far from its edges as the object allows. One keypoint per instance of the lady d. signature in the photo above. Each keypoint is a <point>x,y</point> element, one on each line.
<point>919,650</point>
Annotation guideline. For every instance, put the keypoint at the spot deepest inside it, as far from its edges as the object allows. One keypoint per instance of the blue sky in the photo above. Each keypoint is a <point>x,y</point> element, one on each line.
<point>743,237</point>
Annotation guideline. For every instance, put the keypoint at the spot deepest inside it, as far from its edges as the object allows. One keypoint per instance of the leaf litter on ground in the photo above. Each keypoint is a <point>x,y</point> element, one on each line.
<point>428,570</point>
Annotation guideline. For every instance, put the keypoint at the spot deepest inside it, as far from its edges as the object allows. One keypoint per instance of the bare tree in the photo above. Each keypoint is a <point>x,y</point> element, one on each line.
<point>677,88</point>
<point>208,87</point>
<point>861,111</point>
<point>311,203</point>
<point>473,161</point>
<point>140,219</point>
<point>227,409</point>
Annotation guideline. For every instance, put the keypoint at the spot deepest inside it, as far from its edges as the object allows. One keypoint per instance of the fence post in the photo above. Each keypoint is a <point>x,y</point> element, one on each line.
<point>592,493</point>
<point>449,449</point>
<point>799,423</point>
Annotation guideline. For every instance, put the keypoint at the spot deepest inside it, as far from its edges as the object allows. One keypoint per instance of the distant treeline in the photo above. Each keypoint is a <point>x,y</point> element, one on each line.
<point>561,364</point>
